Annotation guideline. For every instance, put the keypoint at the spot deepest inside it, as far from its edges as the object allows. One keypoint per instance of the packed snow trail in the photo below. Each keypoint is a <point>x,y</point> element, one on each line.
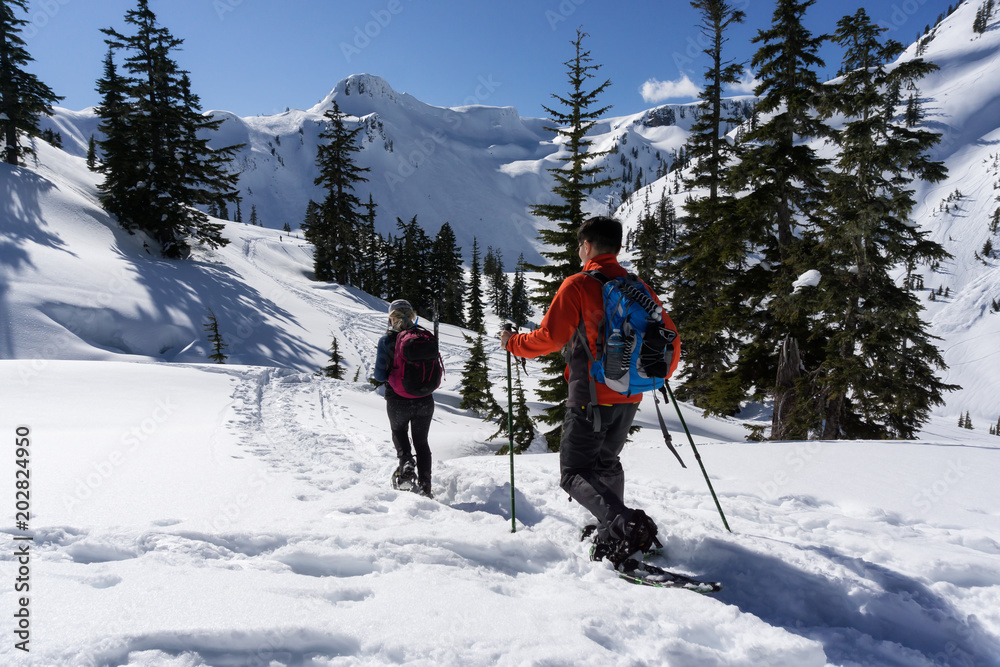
<point>838,598</point>
<point>356,328</point>
<point>252,522</point>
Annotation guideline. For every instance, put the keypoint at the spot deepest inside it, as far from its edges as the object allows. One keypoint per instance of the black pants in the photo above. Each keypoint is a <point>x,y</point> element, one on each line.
<point>591,470</point>
<point>411,415</point>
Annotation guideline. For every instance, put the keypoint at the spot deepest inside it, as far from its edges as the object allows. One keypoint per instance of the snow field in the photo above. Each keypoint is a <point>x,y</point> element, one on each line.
<point>254,524</point>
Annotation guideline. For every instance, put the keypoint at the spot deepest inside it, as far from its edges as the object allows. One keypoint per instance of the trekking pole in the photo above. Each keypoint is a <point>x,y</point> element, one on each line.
<point>510,432</point>
<point>697,456</point>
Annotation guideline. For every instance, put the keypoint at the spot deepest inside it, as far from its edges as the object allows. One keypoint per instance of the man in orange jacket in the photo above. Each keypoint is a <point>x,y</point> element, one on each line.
<point>591,470</point>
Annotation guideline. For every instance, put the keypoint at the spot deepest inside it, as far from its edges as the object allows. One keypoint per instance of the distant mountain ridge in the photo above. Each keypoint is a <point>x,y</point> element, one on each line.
<point>478,167</point>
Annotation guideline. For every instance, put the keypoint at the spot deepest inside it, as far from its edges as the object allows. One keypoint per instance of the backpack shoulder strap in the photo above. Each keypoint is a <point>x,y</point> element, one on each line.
<point>581,333</point>
<point>600,277</point>
<point>390,350</point>
<point>595,411</point>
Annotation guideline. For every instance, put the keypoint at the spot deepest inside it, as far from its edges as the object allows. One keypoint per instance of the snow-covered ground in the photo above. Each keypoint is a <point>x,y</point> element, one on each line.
<point>235,515</point>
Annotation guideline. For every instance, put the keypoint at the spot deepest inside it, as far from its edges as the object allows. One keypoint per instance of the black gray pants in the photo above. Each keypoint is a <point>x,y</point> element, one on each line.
<point>411,416</point>
<point>591,470</point>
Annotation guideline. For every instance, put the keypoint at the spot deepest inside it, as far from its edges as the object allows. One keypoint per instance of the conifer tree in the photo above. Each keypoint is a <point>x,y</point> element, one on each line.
<point>489,264</point>
<point>113,110</point>
<point>23,98</point>
<point>524,427</point>
<point>775,223</point>
<point>371,252</point>
<point>475,384</point>
<point>666,217</point>
<point>878,377</point>
<point>215,338</point>
<point>447,277</point>
<point>393,274</point>
<point>573,182</point>
<point>981,20</point>
<point>311,216</point>
<point>914,113</point>
<point>92,153</point>
<point>477,317</point>
<point>334,233</point>
<point>498,283</point>
<point>520,305</point>
<point>648,249</point>
<point>334,369</point>
<point>412,280</point>
<point>52,137</point>
<point>156,160</point>
<point>707,253</point>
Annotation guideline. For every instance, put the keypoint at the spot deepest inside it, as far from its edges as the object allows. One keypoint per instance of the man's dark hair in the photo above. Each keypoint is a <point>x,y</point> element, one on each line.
<point>604,233</point>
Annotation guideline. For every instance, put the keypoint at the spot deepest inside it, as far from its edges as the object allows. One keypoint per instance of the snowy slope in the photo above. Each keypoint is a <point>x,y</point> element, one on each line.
<point>75,286</point>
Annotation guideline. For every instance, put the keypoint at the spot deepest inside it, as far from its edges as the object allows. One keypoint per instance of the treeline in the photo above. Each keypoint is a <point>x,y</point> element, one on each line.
<point>786,275</point>
<point>428,272</point>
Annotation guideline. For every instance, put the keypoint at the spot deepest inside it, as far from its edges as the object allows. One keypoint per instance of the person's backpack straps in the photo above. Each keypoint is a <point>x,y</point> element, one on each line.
<point>595,412</point>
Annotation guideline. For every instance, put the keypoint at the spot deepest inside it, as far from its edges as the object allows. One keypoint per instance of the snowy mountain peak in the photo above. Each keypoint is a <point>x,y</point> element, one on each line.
<point>360,94</point>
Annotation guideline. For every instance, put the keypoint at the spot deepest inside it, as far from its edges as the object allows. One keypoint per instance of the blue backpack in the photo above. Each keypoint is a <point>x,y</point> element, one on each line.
<point>637,346</point>
<point>635,350</point>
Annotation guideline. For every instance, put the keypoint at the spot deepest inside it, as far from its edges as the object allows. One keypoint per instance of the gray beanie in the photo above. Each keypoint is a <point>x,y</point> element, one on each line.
<point>400,304</point>
<point>404,313</point>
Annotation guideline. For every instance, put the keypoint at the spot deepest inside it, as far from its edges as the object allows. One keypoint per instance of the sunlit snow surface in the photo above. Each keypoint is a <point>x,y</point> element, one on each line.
<point>190,514</point>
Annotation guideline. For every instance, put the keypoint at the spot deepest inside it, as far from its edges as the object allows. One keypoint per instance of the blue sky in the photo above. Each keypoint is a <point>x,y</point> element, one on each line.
<point>262,56</point>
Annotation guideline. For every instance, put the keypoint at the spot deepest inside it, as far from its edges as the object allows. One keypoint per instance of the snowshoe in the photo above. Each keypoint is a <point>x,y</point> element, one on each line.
<point>645,574</point>
<point>405,477</point>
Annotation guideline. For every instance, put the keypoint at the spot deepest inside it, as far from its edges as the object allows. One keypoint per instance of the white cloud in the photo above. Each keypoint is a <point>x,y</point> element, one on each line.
<point>658,91</point>
<point>746,85</point>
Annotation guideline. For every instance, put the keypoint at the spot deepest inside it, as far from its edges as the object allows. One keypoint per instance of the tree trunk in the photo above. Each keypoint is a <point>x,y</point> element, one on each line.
<point>785,393</point>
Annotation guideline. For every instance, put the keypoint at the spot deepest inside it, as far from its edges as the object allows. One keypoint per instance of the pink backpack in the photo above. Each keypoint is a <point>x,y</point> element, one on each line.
<point>417,368</point>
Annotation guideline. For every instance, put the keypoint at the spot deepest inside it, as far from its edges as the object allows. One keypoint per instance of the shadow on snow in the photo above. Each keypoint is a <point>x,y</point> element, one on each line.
<point>890,621</point>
